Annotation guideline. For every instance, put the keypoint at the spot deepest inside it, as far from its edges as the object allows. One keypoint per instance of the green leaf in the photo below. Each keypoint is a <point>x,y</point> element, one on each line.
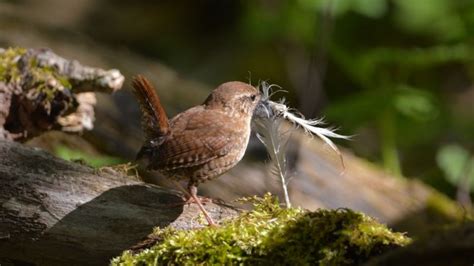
<point>415,103</point>
<point>456,162</point>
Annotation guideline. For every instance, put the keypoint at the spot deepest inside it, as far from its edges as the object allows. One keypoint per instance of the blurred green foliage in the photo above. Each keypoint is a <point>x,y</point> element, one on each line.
<point>457,164</point>
<point>395,68</point>
<point>95,161</point>
<point>397,57</point>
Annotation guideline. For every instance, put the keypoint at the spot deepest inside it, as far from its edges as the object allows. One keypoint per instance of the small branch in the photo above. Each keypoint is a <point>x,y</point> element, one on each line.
<point>82,78</point>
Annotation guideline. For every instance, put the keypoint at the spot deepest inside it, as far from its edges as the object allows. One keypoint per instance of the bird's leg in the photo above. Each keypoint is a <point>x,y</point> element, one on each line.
<point>191,194</point>
<point>192,190</point>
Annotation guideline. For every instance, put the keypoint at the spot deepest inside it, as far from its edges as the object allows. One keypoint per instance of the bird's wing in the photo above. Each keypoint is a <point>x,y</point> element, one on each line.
<point>195,141</point>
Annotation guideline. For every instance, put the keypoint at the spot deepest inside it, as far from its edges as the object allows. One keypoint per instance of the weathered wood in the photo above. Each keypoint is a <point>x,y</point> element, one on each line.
<point>40,91</point>
<point>54,212</point>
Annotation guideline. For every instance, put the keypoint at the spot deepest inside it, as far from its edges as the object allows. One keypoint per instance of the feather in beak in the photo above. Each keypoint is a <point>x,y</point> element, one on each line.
<point>268,117</point>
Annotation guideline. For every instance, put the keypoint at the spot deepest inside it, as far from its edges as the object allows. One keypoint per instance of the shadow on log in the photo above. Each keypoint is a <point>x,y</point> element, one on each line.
<point>54,212</point>
<point>100,228</point>
<point>450,246</point>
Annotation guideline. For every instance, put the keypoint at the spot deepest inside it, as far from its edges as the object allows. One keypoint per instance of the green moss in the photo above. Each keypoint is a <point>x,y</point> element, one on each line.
<point>8,64</point>
<point>272,235</point>
<point>42,85</point>
<point>41,75</point>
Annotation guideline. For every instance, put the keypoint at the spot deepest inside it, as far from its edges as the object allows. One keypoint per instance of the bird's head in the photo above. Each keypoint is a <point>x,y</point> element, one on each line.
<point>234,97</point>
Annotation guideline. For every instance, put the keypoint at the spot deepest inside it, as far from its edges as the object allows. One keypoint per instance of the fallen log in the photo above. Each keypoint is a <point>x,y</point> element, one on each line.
<point>54,212</point>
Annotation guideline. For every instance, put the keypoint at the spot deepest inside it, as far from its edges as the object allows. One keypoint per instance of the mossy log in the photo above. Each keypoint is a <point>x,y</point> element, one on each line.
<point>54,212</point>
<point>271,235</point>
<point>40,91</point>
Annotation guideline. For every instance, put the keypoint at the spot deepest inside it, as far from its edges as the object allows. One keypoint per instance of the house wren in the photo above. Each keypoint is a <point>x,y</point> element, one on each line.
<point>200,143</point>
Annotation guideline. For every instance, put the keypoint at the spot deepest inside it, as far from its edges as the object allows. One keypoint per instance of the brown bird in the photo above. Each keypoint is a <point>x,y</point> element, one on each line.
<point>200,143</point>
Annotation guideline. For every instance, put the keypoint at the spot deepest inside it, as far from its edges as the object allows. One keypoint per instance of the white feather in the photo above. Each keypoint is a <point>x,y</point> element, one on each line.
<point>267,121</point>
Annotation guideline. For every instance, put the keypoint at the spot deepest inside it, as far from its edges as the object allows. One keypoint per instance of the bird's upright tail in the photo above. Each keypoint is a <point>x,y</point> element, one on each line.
<point>154,119</point>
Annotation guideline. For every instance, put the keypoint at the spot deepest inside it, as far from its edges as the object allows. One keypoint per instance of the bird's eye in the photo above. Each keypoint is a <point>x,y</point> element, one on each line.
<point>253,97</point>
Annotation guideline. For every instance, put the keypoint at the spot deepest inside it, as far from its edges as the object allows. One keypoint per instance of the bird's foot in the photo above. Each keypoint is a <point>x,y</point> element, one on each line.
<point>192,197</point>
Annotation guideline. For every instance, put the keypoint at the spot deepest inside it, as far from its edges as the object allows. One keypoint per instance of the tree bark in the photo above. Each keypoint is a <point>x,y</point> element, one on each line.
<point>54,212</point>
